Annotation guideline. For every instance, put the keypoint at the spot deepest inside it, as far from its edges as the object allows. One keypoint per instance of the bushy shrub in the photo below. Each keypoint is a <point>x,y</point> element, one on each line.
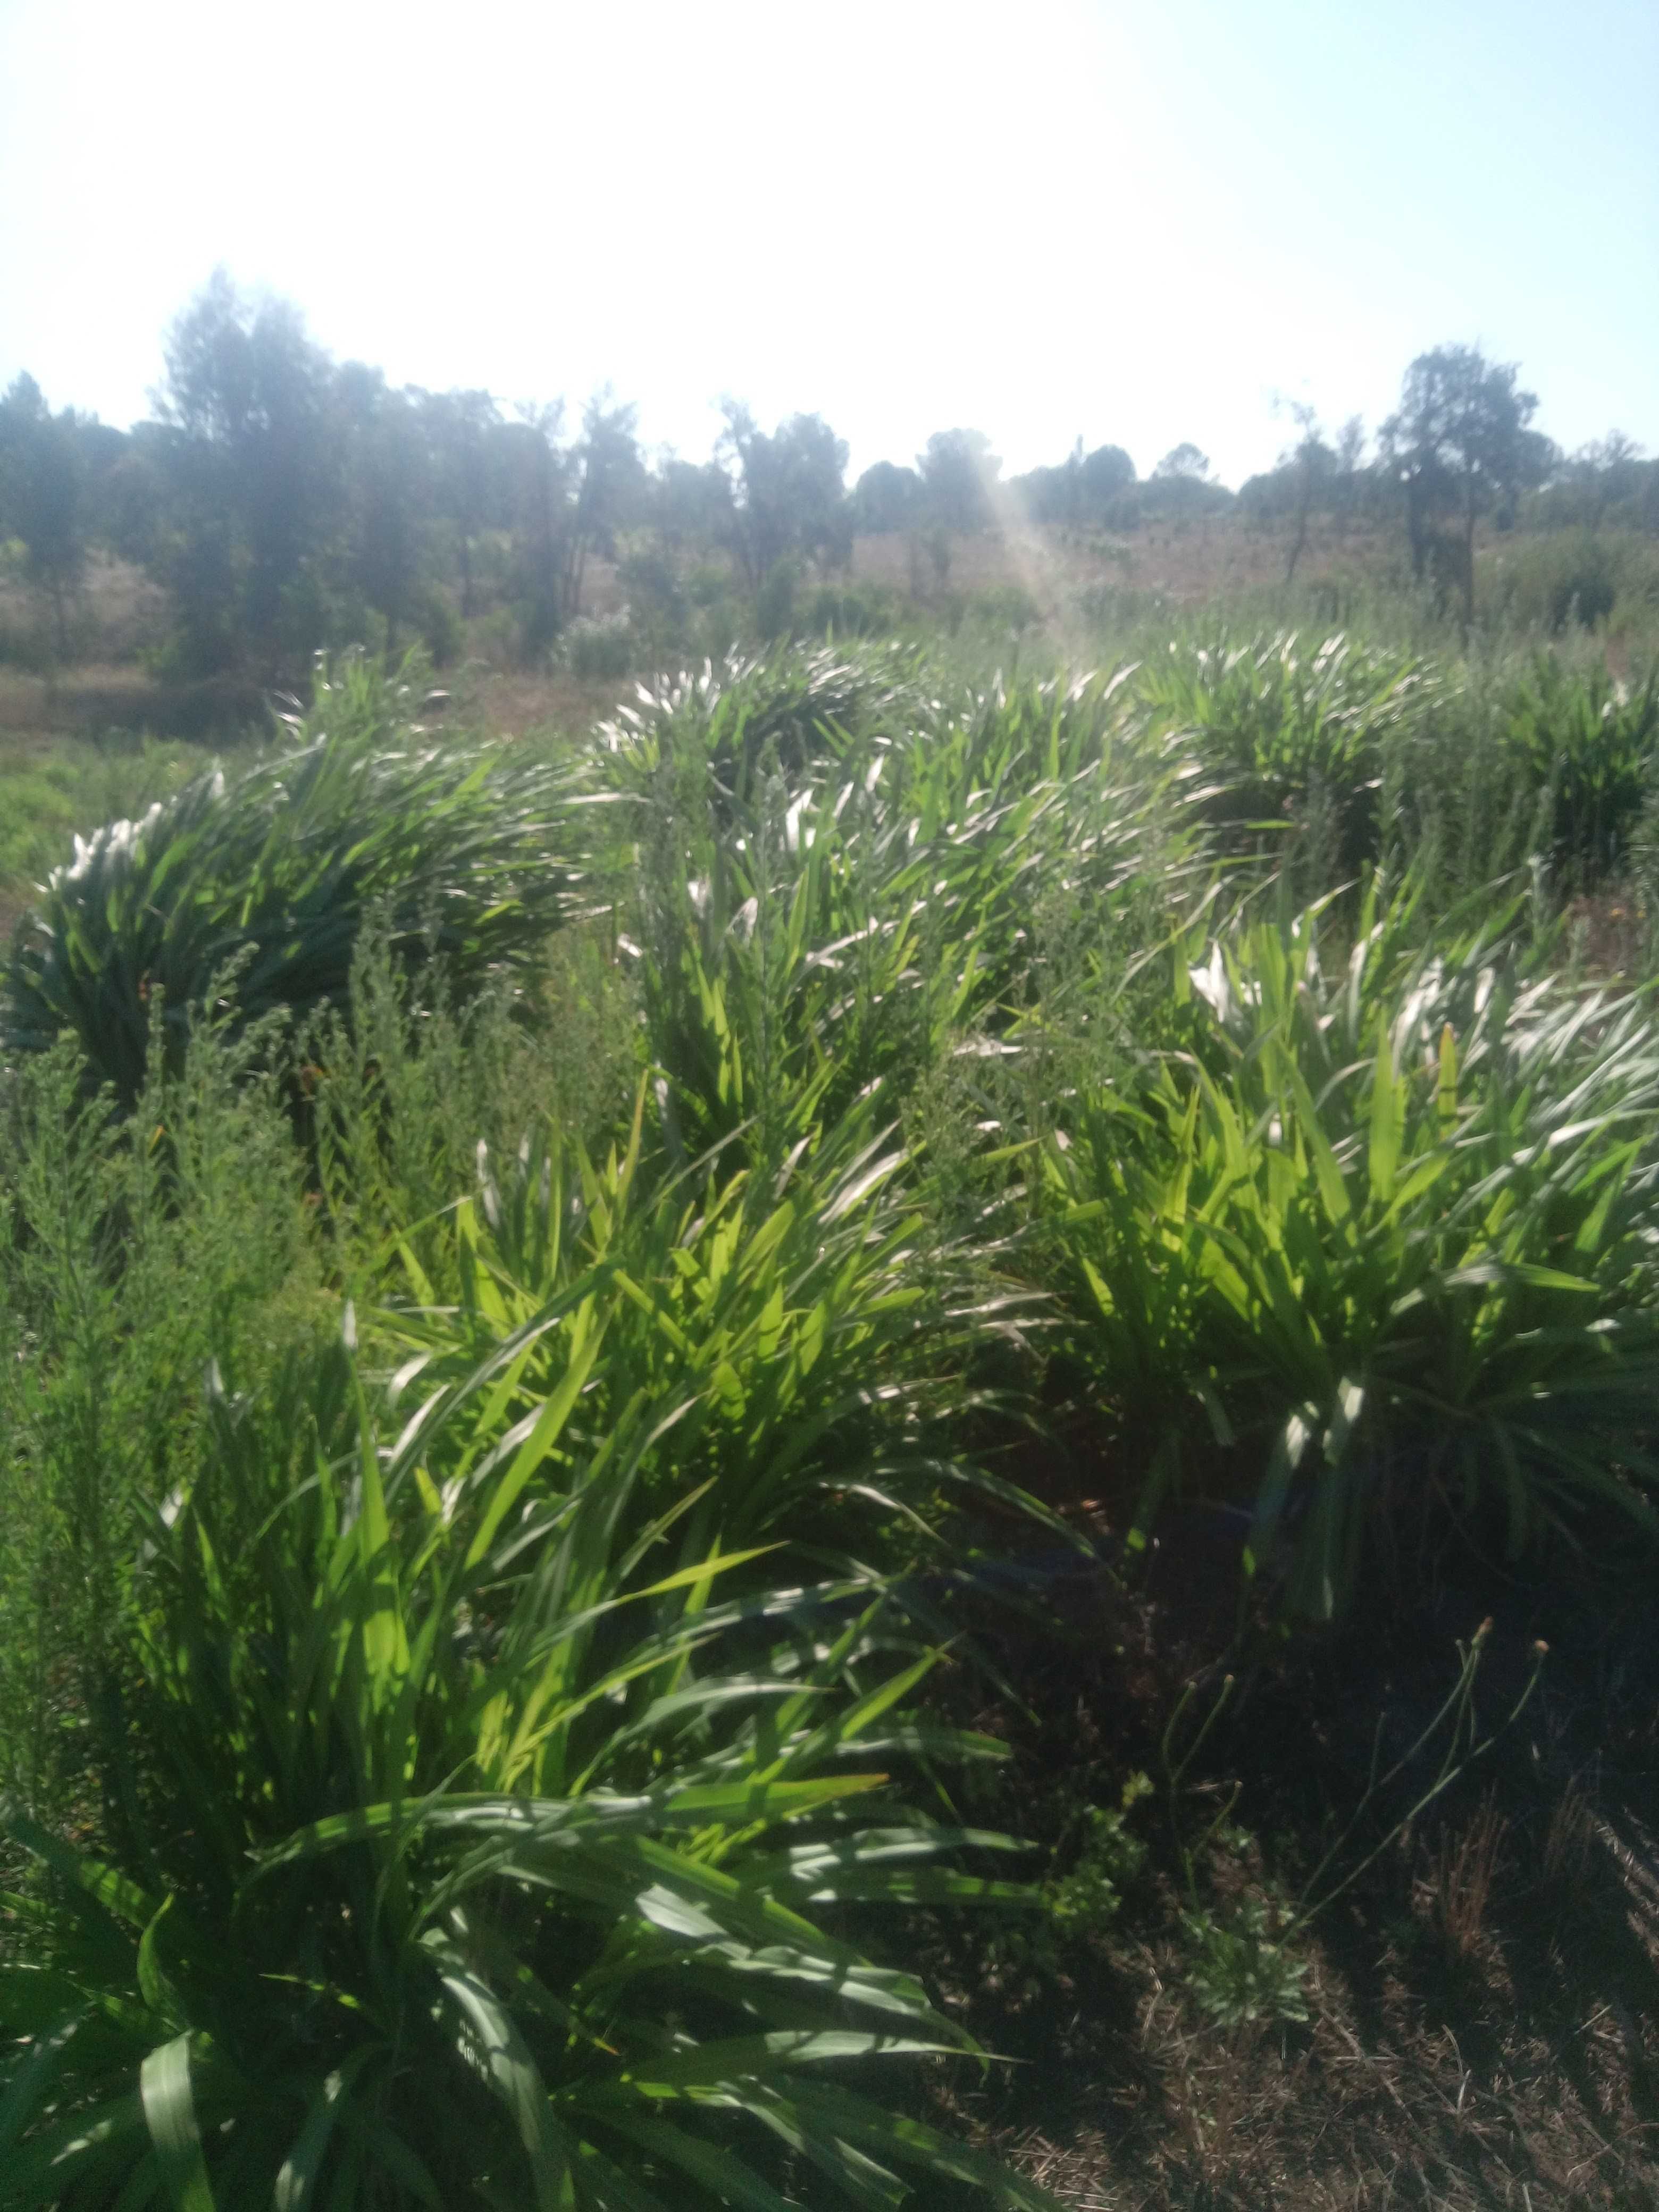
<point>442,635</point>
<point>599,651</point>
<point>728,718</point>
<point>997,607</point>
<point>1559,580</point>
<point>850,609</point>
<point>808,928</point>
<point>135,1254</point>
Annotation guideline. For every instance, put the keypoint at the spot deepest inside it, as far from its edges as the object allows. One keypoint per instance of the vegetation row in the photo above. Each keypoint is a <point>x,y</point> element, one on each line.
<point>558,1298</point>
<point>282,503</point>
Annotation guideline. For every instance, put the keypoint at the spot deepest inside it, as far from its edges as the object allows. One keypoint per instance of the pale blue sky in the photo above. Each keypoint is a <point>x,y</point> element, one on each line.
<point>1136,222</point>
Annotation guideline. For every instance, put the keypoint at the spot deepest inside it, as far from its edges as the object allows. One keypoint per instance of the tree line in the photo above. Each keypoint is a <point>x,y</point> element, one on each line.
<point>286,502</point>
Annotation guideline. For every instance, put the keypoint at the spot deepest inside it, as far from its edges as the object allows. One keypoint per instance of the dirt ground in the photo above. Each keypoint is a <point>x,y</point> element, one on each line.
<point>1481,2005</point>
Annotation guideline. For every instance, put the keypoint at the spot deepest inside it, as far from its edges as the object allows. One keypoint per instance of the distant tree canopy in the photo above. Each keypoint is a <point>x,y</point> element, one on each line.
<point>959,475</point>
<point>887,498</point>
<point>289,502</point>
<point>1083,490</point>
<point>1459,447</point>
<point>1183,464</point>
<point>43,470</point>
<point>788,492</point>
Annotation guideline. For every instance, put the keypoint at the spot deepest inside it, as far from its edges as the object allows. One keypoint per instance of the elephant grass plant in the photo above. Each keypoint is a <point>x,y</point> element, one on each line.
<point>470,1864</point>
<point>1379,1250</point>
<point>250,891</point>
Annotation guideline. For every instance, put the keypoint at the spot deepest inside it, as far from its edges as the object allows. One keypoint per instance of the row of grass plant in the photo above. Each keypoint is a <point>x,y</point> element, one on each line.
<point>508,1281</point>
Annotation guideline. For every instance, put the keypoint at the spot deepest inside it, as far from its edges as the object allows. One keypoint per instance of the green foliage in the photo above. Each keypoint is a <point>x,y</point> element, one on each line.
<point>809,931</point>
<point>1238,1969</point>
<point>399,1098</point>
<point>599,651</point>
<point>1000,609</point>
<point>781,708</point>
<point>1590,744</point>
<point>849,609</point>
<point>1086,1899</point>
<point>270,877</point>
<point>134,1255</point>
<point>490,1745</point>
<point>810,1359</point>
<point>1378,1249</point>
<point>43,473</point>
<point>1293,741</point>
<point>458,1879</point>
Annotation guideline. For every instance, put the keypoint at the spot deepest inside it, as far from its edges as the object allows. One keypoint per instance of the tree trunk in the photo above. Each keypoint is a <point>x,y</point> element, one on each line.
<point>1415,530</point>
<point>1300,542</point>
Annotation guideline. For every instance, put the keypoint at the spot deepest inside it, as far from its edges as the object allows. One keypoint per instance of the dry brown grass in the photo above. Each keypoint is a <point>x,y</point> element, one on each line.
<point>116,614</point>
<point>1182,564</point>
<point>1483,2025</point>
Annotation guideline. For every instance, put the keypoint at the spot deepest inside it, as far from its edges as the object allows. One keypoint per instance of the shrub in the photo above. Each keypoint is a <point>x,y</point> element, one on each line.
<point>1001,607</point>
<point>812,1359</point>
<point>809,931</point>
<point>849,609</point>
<point>786,707</point>
<point>1575,578</point>
<point>599,651</point>
<point>261,883</point>
<point>133,1255</point>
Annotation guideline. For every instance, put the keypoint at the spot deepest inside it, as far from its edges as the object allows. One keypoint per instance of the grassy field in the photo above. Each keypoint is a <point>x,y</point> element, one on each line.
<point>879,1420</point>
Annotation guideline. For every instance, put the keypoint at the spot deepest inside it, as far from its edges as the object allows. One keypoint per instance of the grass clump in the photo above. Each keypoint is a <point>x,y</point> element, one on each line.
<point>1376,1250</point>
<point>271,875</point>
<point>456,1878</point>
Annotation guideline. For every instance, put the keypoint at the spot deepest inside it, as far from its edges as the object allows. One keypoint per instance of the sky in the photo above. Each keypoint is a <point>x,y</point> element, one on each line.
<point>1139,222</point>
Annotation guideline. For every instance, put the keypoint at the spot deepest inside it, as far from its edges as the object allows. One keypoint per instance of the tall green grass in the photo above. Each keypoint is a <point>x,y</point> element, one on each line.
<point>252,890</point>
<point>465,1867</point>
<point>1376,1253</point>
<point>504,1302</point>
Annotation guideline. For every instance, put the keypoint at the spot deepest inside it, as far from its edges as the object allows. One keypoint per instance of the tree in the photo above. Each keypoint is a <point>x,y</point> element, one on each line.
<point>886,498</point>
<point>1106,474</point>
<point>607,479</point>
<point>253,470</point>
<point>1608,471</point>
<point>1350,453</point>
<point>542,471</point>
<point>789,492</point>
<point>693,504</point>
<point>462,430</point>
<point>959,473</point>
<point>42,495</point>
<point>1311,465</point>
<point>388,496</point>
<point>1183,464</point>
<point>1080,490</point>
<point>1457,445</point>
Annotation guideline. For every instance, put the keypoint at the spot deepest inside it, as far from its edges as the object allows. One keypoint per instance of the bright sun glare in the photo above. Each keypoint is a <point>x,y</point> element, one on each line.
<point>1136,225</point>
